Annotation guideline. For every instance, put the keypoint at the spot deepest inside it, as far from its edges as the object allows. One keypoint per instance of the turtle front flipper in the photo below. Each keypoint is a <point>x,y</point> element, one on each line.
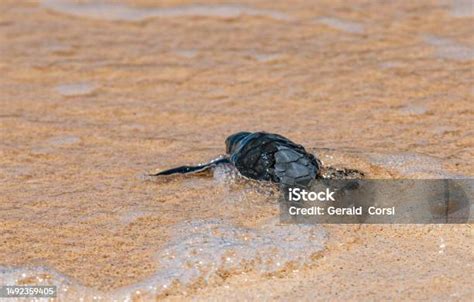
<point>295,168</point>
<point>193,169</point>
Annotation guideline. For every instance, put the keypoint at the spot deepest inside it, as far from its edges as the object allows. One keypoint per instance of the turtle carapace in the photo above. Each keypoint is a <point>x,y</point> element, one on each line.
<point>263,156</point>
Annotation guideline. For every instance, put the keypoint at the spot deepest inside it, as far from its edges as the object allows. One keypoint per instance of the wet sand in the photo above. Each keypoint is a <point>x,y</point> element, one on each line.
<point>93,97</point>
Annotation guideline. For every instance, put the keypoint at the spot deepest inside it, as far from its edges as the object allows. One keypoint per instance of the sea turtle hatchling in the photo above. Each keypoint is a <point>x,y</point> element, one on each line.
<point>263,156</point>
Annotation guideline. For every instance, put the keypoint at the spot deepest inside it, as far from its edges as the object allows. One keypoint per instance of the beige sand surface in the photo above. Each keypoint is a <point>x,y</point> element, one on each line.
<point>90,101</point>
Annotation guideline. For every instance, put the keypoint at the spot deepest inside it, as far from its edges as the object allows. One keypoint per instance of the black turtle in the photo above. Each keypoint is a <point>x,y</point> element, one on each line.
<point>264,156</point>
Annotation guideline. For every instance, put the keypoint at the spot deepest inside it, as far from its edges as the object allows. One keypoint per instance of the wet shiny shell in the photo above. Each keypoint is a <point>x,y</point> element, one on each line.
<point>272,157</point>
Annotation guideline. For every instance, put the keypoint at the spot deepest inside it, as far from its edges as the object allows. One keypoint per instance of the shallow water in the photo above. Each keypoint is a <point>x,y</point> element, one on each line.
<point>462,8</point>
<point>200,251</point>
<point>119,12</point>
<point>206,229</point>
<point>91,105</point>
<point>413,166</point>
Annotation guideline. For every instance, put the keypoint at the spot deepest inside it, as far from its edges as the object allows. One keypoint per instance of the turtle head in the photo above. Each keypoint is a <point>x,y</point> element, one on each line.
<point>232,141</point>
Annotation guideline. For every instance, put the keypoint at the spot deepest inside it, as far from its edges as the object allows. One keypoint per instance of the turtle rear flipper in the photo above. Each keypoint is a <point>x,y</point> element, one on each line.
<point>192,169</point>
<point>294,168</point>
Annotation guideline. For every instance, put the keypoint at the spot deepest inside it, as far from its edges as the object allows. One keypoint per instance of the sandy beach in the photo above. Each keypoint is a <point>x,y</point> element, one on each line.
<point>97,94</point>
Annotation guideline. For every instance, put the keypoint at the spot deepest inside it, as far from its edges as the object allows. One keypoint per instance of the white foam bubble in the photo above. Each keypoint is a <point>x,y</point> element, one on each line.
<point>63,140</point>
<point>186,53</point>
<point>75,89</point>
<point>343,25</point>
<point>413,109</point>
<point>449,49</point>
<point>200,250</point>
<point>203,249</point>
<point>224,173</point>
<point>261,57</point>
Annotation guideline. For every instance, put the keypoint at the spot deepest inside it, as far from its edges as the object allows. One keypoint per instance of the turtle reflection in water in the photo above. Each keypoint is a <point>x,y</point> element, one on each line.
<point>263,156</point>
